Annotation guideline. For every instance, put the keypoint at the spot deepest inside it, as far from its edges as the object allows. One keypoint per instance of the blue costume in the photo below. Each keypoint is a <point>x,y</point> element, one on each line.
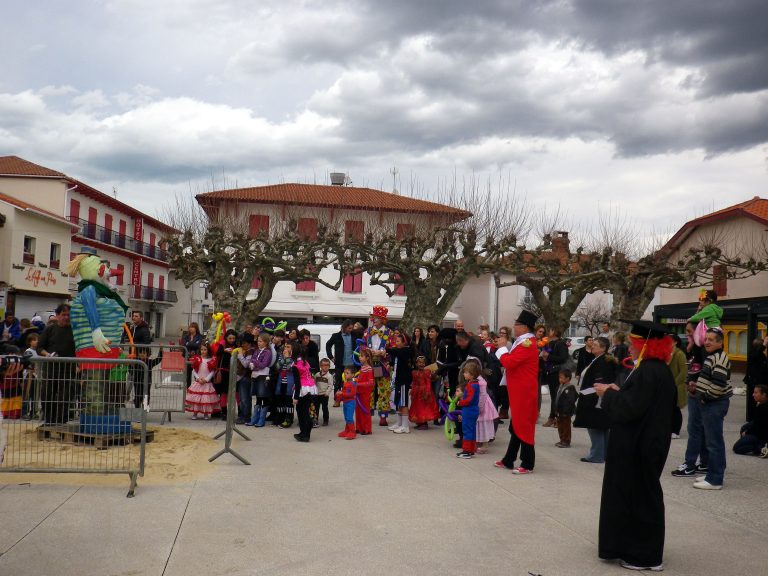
<point>470,410</point>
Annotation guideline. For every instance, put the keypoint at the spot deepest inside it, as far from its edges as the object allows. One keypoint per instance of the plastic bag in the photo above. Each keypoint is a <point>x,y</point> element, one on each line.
<point>700,333</point>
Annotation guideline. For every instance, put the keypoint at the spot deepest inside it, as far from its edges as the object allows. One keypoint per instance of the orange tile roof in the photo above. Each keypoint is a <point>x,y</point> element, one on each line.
<point>755,208</point>
<point>31,208</point>
<point>330,197</point>
<point>15,166</point>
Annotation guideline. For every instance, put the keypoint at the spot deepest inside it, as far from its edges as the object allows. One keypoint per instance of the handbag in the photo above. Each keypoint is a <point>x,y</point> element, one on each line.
<point>217,377</point>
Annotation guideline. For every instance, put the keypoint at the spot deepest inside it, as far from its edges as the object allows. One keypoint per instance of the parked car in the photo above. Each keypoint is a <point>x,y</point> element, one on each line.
<point>575,344</point>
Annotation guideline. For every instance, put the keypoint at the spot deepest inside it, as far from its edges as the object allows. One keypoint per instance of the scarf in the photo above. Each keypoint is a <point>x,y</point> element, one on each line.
<point>103,291</point>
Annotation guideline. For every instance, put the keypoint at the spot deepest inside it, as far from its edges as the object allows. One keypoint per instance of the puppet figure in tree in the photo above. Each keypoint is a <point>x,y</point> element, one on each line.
<point>98,316</point>
<point>222,320</point>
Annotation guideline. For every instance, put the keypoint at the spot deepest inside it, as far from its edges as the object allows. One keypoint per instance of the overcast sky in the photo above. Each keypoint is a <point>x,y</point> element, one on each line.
<point>659,107</point>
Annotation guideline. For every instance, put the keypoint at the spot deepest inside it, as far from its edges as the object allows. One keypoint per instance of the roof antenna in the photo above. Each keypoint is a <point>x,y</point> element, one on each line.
<point>114,192</point>
<point>394,171</point>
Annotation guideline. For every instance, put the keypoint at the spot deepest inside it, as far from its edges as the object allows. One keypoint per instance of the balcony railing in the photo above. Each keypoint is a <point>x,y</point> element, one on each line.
<point>101,234</point>
<point>150,293</point>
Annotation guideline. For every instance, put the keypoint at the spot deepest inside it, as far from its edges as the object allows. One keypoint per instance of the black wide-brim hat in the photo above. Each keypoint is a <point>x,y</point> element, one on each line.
<point>647,329</point>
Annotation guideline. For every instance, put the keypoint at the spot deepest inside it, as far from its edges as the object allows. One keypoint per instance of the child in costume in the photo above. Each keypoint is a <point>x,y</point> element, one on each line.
<point>201,396</point>
<point>348,395</point>
<point>485,430</point>
<point>423,404</point>
<point>400,361</point>
<point>303,396</point>
<point>565,406</point>
<point>365,384</point>
<point>324,383</point>
<point>470,409</point>
<point>287,379</point>
<point>377,338</point>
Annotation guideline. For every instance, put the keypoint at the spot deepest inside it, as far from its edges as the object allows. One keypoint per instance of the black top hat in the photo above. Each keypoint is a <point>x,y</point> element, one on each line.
<point>528,319</point>
<point>647,329</point>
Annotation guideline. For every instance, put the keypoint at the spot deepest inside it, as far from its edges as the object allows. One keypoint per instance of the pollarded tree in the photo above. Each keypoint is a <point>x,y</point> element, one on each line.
<point>429,257</point>
<point>223,247</point>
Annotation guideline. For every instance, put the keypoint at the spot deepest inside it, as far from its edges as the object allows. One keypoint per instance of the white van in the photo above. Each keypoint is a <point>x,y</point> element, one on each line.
<point>321,333</point>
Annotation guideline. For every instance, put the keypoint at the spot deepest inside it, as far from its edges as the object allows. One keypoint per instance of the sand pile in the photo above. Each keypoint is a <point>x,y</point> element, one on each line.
<point>176,456</point>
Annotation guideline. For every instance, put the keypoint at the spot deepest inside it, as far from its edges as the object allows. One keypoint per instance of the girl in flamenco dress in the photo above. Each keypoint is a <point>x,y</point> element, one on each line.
<point>201,395</point>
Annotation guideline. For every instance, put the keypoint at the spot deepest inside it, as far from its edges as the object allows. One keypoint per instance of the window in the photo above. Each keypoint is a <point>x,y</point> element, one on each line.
<point>161,283</point>
<point>150,279</point>
<point>399,288</point>
<point>55,256</point>
<point>152,242</point>
<point>404,230</point>
<point>74,211</point>
<point>258,224</point>
<point>121,234</point>
<point>107,232</point>
<point>353,282</point>
<point>308,228</point>
<point>354,230</point>
<point>305,286</point>
<point>29,250</point>
<point>90,228</point>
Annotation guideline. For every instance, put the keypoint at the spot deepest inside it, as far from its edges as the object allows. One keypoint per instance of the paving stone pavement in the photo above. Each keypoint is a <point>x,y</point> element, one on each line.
<point>383,504</point>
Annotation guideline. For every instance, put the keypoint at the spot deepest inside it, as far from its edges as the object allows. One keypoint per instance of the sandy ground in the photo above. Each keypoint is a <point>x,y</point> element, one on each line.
<point>176,456</point>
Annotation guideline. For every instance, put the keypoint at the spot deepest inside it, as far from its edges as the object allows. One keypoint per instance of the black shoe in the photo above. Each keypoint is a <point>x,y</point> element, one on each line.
<point>240,421</point>
<point>683,471</point>
<point>700,468</point>
<point>464,455</point>
<point>301,438</point>
<point>591,461</point>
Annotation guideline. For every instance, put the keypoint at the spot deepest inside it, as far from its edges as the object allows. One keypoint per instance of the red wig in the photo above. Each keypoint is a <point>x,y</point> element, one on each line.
<point>653,348</point>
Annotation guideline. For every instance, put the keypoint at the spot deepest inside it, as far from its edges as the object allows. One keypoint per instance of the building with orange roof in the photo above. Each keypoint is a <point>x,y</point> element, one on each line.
<point>355,210</point>
<point>128,238</point>
<point>740,230</point>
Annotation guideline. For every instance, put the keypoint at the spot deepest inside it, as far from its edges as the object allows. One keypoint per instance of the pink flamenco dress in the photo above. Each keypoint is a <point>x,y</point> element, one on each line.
<point>201,395</point>
<point>485,430</point>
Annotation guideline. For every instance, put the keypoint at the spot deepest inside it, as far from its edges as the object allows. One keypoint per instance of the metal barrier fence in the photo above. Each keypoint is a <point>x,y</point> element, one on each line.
<point>76,416</point>
<point>168,367</point>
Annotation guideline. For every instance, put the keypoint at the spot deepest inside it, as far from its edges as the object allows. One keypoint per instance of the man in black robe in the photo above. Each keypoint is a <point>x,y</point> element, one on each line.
<point>632,505</point>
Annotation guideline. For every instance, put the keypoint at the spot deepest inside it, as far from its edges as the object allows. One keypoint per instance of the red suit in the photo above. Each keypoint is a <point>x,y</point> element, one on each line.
<point>365,384</point>
<point>522,369</point>
<point>348,394</point>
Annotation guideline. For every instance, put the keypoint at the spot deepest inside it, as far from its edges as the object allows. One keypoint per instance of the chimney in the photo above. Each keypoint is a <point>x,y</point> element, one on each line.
<point>338,178</point>
<point>561,244</point>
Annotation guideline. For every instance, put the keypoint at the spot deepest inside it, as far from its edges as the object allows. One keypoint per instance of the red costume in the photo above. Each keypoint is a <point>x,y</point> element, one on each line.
<point>348,394</point>
<point>423,404</point>
<point>522,369</point>
<point>365,384</point>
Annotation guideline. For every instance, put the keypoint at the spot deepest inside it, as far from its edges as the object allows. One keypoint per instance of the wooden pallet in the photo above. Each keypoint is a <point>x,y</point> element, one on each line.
<point>70,434</point>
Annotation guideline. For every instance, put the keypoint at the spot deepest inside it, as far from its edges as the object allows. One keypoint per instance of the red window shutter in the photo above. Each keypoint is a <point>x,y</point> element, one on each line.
<point>72,256</point>
<point>152,239</point>
<point>161,282</point>
<point>256,284</point>
<point>720,279</point>
<point>108,222</point>
<point>258,224</point>
<point>122,227</point>
<point>399,288</point>
<point>74,210</point>
<point>354,230</point>
<point>404,230</point>
<point>353,282</point>
<point>92,215</point>
<point>306,286</point>
<point>150,280</point>
<point>121,278</point>
<point>308,228</point>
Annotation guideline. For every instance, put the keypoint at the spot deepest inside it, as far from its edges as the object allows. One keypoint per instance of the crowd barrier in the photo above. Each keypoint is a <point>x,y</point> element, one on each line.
<point>168,366</point>
<point>76,416</point>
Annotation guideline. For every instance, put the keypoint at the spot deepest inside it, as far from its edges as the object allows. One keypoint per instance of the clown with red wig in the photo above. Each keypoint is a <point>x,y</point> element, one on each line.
<point>640,415</point>
<point>377,338</point>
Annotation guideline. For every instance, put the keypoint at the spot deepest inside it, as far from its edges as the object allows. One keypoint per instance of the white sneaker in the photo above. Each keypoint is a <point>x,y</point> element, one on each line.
<point>701,478</point>
<point>194,416</point>
<point>675,436</point>
<point>401,430</point>
<point>704,485</point>
<point>393,427</point>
